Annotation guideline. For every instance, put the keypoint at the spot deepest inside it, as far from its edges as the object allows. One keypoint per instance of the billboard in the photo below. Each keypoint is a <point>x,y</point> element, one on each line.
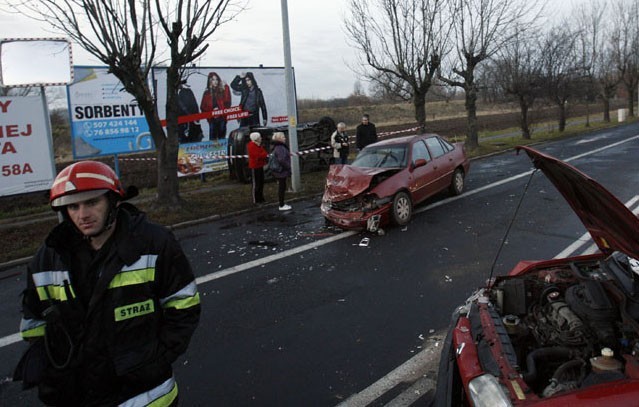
<point>219,100</point>
<point>105,120</point>
<point>25,150</point>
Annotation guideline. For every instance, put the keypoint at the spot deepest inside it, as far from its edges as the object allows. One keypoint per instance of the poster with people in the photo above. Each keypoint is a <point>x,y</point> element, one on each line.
<point>215,101</point>
<point>212,102</point>
<point>227,98</point>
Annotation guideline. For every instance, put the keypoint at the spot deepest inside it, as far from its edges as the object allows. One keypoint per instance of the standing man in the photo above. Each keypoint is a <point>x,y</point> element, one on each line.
<point>366,133</point>
<point>257,159</point>
<point>339,142</point>
<point>111,301</point>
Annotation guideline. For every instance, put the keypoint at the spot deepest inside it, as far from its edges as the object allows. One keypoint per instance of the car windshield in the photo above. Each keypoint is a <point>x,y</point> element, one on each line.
<point>382,157</point>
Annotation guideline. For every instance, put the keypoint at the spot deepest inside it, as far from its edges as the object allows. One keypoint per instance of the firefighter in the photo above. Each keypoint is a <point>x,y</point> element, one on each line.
<point>110,302</point>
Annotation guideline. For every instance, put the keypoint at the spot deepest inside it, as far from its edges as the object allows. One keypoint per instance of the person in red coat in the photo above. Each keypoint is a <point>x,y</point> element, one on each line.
<point>258,157</point>
<point>216,97</point>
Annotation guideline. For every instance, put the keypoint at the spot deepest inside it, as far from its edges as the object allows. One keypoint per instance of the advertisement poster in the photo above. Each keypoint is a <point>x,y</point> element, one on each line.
<point>105,120</point>
<point>25,151</point>
<point>215,101</point>
<point>219,100</point>
<point>205,156</point>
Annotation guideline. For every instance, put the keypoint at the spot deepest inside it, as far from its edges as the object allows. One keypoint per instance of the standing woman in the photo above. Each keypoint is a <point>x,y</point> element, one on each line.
<point>258,157</point>
<point>281,152</point>
<point>217,96</point>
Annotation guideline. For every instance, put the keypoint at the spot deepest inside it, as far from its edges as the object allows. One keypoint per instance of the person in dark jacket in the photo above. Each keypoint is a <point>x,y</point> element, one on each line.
<point>366,133</point>
<point>189,132</point>
<point>257,158</point>
<point>251,100</point>
<point>282,153</point>
<point>111,300</point>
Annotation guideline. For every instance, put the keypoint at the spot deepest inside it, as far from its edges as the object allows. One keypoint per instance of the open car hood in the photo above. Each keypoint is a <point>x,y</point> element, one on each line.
<point>610,223</point>
<point>345,181</point>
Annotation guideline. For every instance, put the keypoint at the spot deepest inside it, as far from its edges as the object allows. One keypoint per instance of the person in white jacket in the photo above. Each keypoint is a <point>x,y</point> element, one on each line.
<point>339,142</point>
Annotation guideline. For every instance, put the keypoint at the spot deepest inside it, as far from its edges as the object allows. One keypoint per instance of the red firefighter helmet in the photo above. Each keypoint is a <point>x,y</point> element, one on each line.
<point>81,181</point>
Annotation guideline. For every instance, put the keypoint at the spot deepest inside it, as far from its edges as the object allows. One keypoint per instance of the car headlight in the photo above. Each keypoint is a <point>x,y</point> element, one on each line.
<point>486,391</point>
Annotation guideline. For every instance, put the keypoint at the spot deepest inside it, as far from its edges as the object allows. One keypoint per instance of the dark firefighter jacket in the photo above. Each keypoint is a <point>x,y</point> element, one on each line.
<point>114,319</point>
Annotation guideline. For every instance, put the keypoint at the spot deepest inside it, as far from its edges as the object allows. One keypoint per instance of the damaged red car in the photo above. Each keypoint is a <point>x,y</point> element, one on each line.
<point>389,177</point>
<point>560,332</point>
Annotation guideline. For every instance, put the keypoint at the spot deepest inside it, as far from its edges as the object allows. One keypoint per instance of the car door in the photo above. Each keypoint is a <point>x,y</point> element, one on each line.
<point>442,162</point>
<point>423,177</point>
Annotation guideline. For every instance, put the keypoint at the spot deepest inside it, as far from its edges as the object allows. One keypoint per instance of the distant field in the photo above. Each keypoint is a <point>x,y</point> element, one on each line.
<point>396,113</point>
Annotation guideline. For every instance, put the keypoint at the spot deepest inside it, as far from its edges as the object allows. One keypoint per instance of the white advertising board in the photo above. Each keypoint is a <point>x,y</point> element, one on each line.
<point>25,152</point>
<point>105,120</point>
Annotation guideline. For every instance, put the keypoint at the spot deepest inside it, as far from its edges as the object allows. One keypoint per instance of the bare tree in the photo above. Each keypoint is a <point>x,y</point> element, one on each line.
<point>518,73</point>
<point>124,35</point>
<point>481,27</point>
<point>561,68</point>
<point>625,40</point>
<point>21,91</point>
<point>402,41</point>
<point>595,54</point>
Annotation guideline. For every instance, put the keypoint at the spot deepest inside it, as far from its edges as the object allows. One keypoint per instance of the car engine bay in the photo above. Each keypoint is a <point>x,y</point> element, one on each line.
<point>564,327</point>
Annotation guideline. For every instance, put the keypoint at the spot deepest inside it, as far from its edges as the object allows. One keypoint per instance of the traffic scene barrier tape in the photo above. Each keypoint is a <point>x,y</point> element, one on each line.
<point>295,153</point>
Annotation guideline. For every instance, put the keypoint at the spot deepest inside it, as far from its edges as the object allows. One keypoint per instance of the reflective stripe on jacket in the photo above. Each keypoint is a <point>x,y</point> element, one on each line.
<point>140,315</point>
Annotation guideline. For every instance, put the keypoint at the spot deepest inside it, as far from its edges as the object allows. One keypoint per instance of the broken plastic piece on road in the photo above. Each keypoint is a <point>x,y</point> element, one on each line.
<point>372,224</point>
<point>364,242</point>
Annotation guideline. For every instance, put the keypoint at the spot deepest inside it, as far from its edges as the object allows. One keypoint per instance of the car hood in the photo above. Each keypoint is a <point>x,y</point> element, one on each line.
<point>346,181</point>
<point>610,223</point>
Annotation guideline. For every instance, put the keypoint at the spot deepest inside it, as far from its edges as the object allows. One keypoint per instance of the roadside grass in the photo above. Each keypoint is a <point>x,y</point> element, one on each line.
<point>219,195</point>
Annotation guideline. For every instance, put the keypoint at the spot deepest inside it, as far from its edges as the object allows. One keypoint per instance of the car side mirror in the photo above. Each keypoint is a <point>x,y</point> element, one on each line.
<point>420,162</point>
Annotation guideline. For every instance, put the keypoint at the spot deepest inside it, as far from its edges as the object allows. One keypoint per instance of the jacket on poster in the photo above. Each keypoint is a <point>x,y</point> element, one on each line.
<point>217,99</point>
<point>238,84</point>
<point>120,316</point>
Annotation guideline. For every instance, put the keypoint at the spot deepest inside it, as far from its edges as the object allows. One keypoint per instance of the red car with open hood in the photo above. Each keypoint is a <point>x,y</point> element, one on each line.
<point>389,177</point>
<point>560,332</point>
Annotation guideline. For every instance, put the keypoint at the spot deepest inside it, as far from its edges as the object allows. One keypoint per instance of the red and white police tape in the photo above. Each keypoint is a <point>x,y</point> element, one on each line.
<point>295,153</point>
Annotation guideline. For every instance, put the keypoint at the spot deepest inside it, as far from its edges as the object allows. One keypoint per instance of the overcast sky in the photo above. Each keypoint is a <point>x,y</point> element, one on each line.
<point>318,46</point>
<point>319,49</point>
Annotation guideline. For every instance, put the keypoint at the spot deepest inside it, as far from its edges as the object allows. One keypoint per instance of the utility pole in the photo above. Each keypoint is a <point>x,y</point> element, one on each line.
<point>290,102</point>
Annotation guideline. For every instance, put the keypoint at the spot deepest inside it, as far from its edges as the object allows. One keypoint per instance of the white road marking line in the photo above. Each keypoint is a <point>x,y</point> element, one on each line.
<point>269,259</point>
<point>8,340</point>
<point>392,379</point>
<point>586,238</point>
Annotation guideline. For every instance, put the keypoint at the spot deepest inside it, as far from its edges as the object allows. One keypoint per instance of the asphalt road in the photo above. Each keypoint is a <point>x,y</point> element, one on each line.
<point>296,313</point>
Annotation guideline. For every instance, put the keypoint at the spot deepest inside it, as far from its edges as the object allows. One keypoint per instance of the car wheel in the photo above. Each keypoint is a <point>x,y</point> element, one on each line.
<point>457,183</point>
<point>402,209</point>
